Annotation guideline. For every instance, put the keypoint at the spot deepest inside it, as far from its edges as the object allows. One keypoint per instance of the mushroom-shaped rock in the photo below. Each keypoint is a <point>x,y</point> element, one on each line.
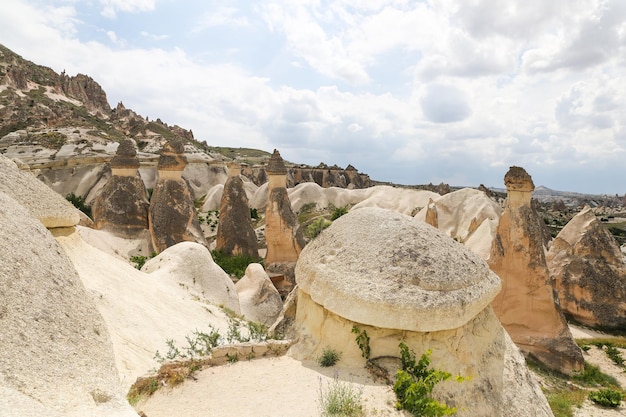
<point>395,278</point>
<point>258,297</point>
<point>419,280</point>
<point>125,156</point>
<point>191,265</point>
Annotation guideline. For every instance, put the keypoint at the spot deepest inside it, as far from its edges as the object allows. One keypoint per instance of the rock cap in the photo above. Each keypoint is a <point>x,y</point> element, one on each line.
<point>386,269</point>
<point>517,179</point>
<point>125,156</point>
<point>276,165</point>
<point>172,156</point>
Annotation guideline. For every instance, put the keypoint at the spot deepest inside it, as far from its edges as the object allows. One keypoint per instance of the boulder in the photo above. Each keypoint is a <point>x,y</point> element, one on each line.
<point>399,279</point>
<point>589,273</point>
<point>50,208</point>
<point>258,297</point>
<point>526,305</point>
<point>235,233</point>
<point>191,265</point>
<point>57,357</point>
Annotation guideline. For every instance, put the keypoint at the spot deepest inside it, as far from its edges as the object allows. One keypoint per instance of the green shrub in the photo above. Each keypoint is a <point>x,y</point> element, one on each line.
<point>316,227</point>
<point>615,355</point>
<point>591,376</point>
<point>79,203</point>
<point>234,265</point>
<point>338,212</point>
<point>329,357</point>
<point>414,385</point>
<point>341,399</point>
<point>362,341</point>
<point>606,397</point>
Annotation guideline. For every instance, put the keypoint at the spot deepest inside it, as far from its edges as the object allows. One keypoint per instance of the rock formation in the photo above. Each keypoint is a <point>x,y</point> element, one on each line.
<point>399,279</point>
<point>122,206</point>
<point>526,305</point>
<point>190,264</point>
<point>235,233</point>
<point>468,216</point>
<point>40,201</point>
<point>172,215</point>
<point>589,273</point>
<point>259,299</point>
<point>282,230</point>
<point>57,359</point>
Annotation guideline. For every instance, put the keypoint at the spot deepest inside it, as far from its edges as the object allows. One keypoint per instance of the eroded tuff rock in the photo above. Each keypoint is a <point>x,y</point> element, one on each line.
<point>122,205</point>
<point>468,216</point>
<point>399,279</point>
<point>57,358</point>
<point>259,299</point>
<point>172,214</point>
<point>526,305</point>
<point>282,230</point>
<point>235,233</point>
<point>190,264</point>
<point>589,273</point>
<point>40,201</point>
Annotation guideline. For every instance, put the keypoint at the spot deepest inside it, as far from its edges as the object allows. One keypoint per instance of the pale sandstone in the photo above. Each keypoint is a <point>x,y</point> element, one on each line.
<point>422,288</point>
<point>190,264</point>
<point>57,357</point>
<point>50,208</point>
<point>526,305</point>
<point>258,297</point>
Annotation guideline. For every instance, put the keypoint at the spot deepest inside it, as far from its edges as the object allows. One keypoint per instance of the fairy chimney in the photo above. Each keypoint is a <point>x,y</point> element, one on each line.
<point>282,230</point>
<point>526,306</point>
<point>122,206</point>
<point>172,215</point>
<point>235,232</point>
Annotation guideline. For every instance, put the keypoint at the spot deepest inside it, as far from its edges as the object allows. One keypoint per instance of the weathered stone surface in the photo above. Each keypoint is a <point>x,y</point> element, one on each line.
<point>51,209</point>
<point>526,305</point>
<point>259,299</point>
<point>283,327</point>
<point>436,294</point>
<point>172,216</point>
<point>589,273</point>
<point>57,357</point>
<point>420,287</point>
<point>122,207</point>
<point>468,216</point>
<point>125,156</point>
<point>191,265</point>
<point>172,157</point>
<point>235,233</point>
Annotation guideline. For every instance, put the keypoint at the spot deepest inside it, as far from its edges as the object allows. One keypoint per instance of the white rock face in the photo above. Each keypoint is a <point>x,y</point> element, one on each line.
<point>258,297</point>
<point>57,357</point>
<point>50,208</point>
<point>415,278</point>
<point>191,265</point>
<point>468,216</point>
<point>142,311</point>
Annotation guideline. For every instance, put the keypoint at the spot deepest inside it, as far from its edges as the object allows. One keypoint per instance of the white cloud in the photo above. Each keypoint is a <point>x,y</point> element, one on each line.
<point>221,16</point>
<point>110,8</point>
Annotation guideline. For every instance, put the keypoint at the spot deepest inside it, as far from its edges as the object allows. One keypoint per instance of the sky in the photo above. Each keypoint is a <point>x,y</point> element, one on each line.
<point>411,92</point>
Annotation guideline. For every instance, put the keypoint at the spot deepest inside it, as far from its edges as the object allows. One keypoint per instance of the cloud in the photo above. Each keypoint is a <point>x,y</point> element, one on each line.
<point>444,104</point>
<point>221,16</point>
<point>110,8</point>
<point>153,36</point>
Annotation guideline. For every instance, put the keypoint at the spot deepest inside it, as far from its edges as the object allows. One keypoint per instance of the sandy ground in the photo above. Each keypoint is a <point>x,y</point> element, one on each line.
<point>283,386</point>
<point>599,358</point>
<point>279,386</point>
